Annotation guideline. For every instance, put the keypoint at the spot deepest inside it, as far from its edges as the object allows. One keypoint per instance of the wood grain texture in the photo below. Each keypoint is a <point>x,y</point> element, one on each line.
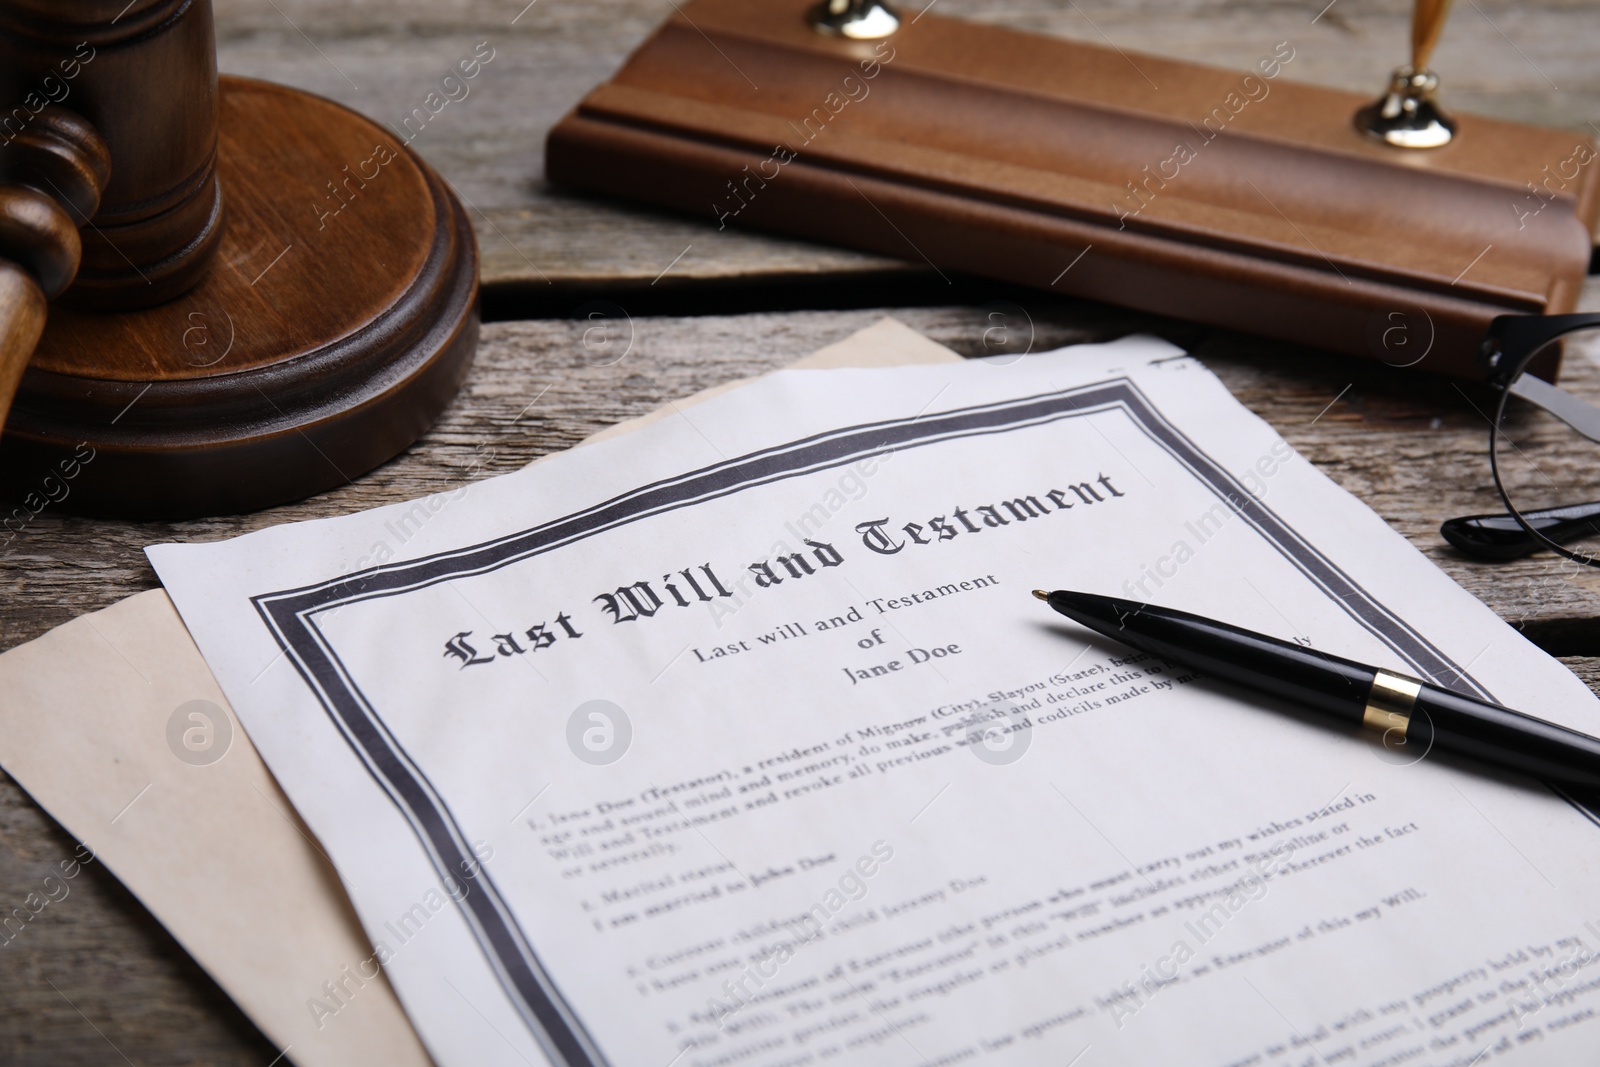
<point>1413,449</point>
<point>1587,669</point>
<point>385,60</point>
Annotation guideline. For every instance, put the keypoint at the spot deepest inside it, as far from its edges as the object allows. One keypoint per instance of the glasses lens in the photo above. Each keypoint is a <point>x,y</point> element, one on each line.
<point>1549,469</point>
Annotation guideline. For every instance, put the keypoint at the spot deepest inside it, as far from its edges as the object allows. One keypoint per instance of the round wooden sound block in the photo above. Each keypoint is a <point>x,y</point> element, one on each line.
<point>338,320</point>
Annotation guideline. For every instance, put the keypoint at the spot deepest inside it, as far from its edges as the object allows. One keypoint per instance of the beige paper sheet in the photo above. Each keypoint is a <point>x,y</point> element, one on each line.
<point>215,851</point>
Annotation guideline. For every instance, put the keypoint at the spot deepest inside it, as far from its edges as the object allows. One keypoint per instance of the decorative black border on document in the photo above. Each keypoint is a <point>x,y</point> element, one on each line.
<point>553,1023</point>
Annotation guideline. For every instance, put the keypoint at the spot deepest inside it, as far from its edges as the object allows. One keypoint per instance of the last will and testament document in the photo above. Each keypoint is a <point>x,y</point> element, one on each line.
<point>739,740</point>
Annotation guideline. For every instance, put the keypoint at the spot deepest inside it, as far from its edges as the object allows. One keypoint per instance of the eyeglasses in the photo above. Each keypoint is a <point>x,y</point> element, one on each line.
<point>1543,453</point>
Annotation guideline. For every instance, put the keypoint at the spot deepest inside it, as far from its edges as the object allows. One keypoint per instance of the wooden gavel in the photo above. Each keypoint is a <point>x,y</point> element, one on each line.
<point>142,86</point>
<point>53,169</point>
<point>117,140</point>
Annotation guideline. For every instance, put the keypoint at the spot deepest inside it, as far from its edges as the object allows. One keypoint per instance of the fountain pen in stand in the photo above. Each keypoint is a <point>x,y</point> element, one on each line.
<point>1406,710</point>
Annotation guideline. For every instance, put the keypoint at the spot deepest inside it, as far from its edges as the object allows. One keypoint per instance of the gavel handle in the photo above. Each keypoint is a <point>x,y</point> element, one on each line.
<point>51,176</point>
<point>22,306</point>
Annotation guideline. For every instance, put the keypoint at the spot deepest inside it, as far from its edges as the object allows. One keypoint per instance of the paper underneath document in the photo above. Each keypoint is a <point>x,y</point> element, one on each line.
<point>740,741</point>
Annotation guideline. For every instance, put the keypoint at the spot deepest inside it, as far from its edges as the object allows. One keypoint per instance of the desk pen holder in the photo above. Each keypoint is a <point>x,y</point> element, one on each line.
<point>1241,199</point>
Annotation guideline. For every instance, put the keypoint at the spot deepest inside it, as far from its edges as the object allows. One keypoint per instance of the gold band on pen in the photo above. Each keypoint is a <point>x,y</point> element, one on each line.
<point>1390,701</point>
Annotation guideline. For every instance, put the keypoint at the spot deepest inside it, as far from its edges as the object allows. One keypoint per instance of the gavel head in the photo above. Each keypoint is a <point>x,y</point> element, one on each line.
<point>142,78</point>
<point>211,388</point>
<point>52,173</point>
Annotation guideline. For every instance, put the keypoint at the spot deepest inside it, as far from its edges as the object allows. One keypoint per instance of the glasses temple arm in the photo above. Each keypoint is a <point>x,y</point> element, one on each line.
<point>1578,414</point>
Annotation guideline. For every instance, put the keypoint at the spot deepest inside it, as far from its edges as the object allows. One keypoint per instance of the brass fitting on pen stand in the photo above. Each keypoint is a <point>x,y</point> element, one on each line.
<point>1407,116</point>
<point>861,20</point>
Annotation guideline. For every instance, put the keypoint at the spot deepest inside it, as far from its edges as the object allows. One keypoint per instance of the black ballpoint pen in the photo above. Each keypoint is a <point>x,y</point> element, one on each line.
<point>1420,713</point>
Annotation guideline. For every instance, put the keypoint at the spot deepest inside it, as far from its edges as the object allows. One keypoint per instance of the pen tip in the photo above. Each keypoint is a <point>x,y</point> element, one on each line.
<point>1041,594</point>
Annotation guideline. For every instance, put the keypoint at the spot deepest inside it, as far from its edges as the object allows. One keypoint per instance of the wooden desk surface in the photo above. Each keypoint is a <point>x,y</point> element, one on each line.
<point>96,980</point>
<point>1526,61</point>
